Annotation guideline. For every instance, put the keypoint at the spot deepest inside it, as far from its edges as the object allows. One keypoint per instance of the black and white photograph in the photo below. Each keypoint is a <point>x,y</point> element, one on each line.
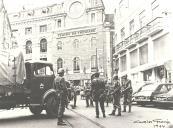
<point>86,64</point>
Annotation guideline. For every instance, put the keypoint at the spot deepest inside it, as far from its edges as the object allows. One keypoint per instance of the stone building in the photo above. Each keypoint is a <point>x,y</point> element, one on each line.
<point>143,40</point>
<point>73,35</point>
<point>5,29</point>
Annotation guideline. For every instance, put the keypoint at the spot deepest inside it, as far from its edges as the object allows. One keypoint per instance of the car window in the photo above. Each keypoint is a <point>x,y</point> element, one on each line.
<point>149,87</point>
<point>164,88</point>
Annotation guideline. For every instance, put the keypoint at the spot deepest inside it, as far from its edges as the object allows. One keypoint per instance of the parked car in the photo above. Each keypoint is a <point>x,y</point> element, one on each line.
<point>138,89</point>
<point>164,99</point>
<point>146,94</point>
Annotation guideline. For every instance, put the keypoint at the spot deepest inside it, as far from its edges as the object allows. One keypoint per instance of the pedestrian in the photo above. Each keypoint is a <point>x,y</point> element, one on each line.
<point>98,93</point>
<point>116,93</point>
<point>74,94</point>
<point>127,93</point>
<point>61,91</point>
<point>88,97</point>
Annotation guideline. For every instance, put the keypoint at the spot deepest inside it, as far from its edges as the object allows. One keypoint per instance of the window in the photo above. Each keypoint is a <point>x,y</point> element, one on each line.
<point>59,23</point>
<point>28,47</point>
<point>92,18</point>
<point>76,43</point>
<point>143,54</point>
<point>42,70</point>
<point>76,67</point>
<point>93,2</point>
<point>123,65</point>
<point>93,42</point>
<point>43,45</point>
<point>133,59</point>
<point>122,34</point>
<point>93,62</point>
<point>142,18</point>
<point>131,26</point>
<point>59,45</point>
<point>59,64</point>
<point>43,28</point>
<point>155,8</point>
<point>28,30</point>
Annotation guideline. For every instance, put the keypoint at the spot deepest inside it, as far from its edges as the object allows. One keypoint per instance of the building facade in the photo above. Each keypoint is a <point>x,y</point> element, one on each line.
<point>5,29</point>
<point>73,35</point>
<point>143,40</point>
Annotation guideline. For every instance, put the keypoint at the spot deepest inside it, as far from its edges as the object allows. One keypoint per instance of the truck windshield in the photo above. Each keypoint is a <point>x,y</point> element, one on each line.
<point>42,70</point>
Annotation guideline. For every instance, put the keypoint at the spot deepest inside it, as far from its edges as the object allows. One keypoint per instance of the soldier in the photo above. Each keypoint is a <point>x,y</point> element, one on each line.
<point>98,93</point>
<point>116,92</point>
<point>88,98</point>
<point>127,93</point>
<point>74,94</point>
<point>61,91</point>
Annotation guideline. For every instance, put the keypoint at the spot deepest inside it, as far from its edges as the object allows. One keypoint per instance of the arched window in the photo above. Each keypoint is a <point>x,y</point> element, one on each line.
<point>28,47</point>
<point>76,43</point>
<point>93,42</point>
<point>43,45</point>
<point>93,62</point>
<point>59,45</point>
<point>76,66</point>
<point>59,63</point>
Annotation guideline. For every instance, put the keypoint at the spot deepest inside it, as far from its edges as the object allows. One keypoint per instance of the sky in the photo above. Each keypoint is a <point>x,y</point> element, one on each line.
<point>16,5</point>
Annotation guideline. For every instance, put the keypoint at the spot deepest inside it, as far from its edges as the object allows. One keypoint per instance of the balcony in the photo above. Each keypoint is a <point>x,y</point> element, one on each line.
<point>153,27</point>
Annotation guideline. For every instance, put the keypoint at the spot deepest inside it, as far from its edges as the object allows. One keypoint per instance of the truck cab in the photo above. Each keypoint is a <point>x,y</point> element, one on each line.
<point>36,92</point>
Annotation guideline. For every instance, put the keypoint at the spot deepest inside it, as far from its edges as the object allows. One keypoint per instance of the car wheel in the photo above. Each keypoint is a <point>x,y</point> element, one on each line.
<point>51,106</point>
<point>36,110</point>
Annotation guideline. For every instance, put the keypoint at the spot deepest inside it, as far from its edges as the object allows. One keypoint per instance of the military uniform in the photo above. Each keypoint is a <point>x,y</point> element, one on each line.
<point>74,95</point>
<point>98,93</point>
<point>88,98</point>
<point>127,94</point>
<point>61,91</point>
<point>116,92</point>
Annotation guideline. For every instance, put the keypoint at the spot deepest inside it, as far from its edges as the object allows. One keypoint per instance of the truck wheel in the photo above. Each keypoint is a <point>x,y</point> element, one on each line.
<point>51,107</point>
<point>36,110</point>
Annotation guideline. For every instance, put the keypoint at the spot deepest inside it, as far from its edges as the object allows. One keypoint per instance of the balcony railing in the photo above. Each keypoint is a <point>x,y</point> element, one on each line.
<point>149,29</point>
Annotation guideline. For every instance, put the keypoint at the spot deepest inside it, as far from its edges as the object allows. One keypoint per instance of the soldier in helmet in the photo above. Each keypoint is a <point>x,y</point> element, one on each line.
<point>98,93</point>
<point>127,93</point>
<point>61,91</point>
<point>116,92</point>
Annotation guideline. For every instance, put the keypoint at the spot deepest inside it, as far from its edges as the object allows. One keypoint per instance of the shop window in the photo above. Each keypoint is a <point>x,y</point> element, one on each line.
<point>143,54</point>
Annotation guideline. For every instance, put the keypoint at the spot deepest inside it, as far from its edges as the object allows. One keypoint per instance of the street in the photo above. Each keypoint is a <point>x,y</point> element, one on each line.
<point>82,117</point>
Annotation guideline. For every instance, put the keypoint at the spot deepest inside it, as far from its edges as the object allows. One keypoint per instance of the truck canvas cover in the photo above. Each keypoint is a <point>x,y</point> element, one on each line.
<point>12,67</point>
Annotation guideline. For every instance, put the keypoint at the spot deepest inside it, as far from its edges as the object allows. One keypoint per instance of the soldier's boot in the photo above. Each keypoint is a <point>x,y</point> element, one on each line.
<point>113,113</point>
<point>104,116</point>
<point>60,122</point>
<point>119,112</point>
<point>130,107</point>
<point>124,108</point>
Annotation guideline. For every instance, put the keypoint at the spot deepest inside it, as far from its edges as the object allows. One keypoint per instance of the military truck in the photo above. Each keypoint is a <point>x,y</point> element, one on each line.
<point>27,85</point>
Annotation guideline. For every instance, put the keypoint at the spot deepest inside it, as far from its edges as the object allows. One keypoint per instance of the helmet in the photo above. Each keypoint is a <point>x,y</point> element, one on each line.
<point>115,77</point>
<point>60,70</point>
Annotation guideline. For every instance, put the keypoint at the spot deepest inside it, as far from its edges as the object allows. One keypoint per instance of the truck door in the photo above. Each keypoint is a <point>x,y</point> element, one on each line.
<point>42,81</point>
